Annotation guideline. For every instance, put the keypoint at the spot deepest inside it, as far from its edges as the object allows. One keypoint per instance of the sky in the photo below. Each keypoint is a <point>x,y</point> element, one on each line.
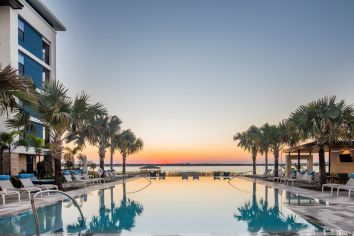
<point>186,75</point>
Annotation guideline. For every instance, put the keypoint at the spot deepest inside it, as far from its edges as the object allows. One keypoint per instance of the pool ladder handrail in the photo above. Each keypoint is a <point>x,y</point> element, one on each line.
<point>35,213</point>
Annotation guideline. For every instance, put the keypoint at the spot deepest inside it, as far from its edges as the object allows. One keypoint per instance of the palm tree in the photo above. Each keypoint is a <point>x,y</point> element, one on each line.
<point>326,121</point>
<point>128,144</point>
<point>69,156</point>
<point>114,129</point>
<point>7,140</point>
<point>38,145</point>
<point>14,89</point>
<point>265,142</point>
<point>97,133</point>
<point>54,111</point>
<point>250,141</point>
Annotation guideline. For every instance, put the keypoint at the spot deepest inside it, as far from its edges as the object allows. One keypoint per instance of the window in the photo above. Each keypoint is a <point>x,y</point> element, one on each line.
<point>45,75</point>
<point>21,30</point>
<point>45,52</point>
<point>21,64</point>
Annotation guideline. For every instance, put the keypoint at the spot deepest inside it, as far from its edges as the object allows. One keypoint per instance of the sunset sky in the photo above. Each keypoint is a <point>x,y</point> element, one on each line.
<point>186,75</point>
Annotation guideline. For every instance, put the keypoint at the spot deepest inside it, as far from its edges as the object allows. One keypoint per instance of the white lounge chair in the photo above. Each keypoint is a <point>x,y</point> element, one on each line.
<point>9,193</point>
<point>90,177</point>
<point>68,179</point>
<point>350,182</point>
<point>307,177</point>
<point>6,186</point>
<point>80,178</point>
<point>26,182</point>
<point>349,186</point>
<point>265,174</point>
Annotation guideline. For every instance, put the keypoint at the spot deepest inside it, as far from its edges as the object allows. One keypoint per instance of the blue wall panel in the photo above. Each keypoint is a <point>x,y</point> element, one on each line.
<point>32,41</point>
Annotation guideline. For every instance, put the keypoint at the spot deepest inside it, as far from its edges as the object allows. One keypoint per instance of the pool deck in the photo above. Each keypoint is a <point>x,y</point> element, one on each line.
<point>14,207</point>
<point>337,215</point>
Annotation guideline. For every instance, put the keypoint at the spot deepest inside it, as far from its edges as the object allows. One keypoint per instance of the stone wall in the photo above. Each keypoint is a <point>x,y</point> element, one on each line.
<point>18,163</point>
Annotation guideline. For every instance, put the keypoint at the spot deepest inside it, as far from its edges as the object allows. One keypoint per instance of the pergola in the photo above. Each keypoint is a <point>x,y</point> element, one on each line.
<point>306,151</point>
<point>150,168</point>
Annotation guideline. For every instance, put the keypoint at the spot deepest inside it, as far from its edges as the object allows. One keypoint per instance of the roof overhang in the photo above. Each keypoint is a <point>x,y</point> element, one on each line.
<point>15,4</point>
<point>312,147</point>
<point>46,14</point>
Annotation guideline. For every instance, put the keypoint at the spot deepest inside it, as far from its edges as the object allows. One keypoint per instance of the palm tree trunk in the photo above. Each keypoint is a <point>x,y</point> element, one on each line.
<point>102,154</point>
<point>124,159</point>
<point>1,160</point>
<point>9,159</point>
<point>254,164</point>
<point>276,161</point>
<point>111,159</point>
<point>57,150</point>
<point>322,164</point>
<point>266,161</point>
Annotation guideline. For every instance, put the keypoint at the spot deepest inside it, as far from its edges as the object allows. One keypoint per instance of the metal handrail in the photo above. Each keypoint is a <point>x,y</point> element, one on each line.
<point>34,208</point>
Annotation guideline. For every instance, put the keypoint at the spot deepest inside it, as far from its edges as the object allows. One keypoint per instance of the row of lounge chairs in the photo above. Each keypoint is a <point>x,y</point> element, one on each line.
<point>216,175</point>
<point>75,177</point>
<point>112,175</point>
<point>310,177</point>
<point>221,175</point>
<point>7,188</point>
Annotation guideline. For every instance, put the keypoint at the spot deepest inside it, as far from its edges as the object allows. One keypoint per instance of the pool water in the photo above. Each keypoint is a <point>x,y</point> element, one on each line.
<point>172,206</point>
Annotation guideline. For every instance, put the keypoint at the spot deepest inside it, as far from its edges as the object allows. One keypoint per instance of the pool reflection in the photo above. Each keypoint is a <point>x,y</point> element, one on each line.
<point>261,217</point>
<point>114,218</point>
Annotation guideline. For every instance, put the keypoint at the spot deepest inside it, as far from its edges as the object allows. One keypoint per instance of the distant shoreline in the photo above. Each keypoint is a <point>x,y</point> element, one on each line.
<point>198,164</point>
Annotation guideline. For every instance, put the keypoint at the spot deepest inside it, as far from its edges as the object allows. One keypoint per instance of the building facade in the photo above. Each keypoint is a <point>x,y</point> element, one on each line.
<point>28,32</point>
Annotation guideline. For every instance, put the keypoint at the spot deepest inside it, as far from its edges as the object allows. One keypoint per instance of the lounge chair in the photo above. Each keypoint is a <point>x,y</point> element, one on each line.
<point>26,182</point>
<point>162,175</point>
<point>153,175</point>
<point>265,174</point>
<point>184,176</point>
<point>68,179</point>
<point>348,186</point>
<point>226,175</point>
<point>8,192</point>
<point>349,183</point>
<point>216,175</point>
<point>117,176</point>
<point>278,178</point>
<point>35,180</point>
<point>6,185</point>
<point>78,177</point>
<point>195,176</point>
<point>307,177</point>
<point>92,178</point>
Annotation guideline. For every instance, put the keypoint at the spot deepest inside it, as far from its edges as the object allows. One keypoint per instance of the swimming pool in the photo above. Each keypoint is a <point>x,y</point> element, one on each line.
<point>172,206</point>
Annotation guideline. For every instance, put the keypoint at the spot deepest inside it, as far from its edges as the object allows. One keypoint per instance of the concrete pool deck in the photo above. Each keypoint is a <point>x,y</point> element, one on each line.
<point>336,215</point>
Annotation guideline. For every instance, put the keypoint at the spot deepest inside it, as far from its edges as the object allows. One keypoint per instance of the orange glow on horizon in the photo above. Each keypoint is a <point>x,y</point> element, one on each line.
<point>170,156</point>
